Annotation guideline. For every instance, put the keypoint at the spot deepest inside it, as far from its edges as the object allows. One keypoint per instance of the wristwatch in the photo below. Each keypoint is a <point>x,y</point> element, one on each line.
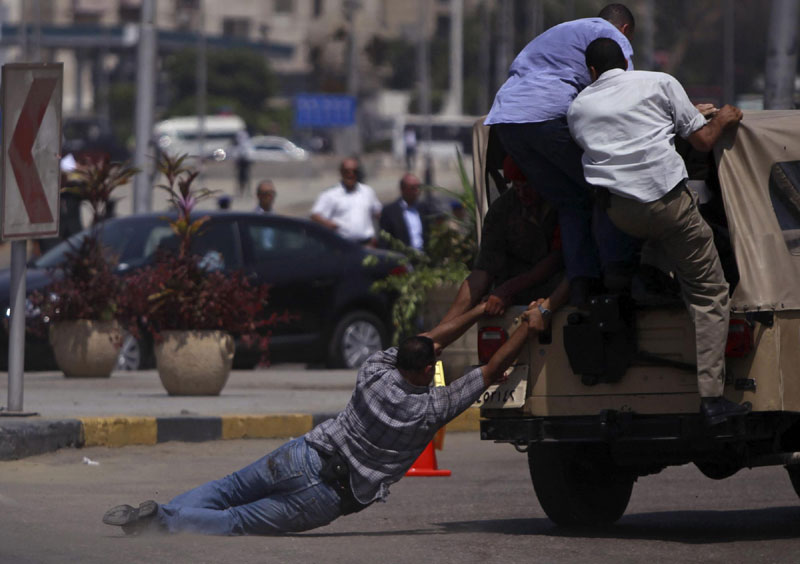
<point>546,313</point>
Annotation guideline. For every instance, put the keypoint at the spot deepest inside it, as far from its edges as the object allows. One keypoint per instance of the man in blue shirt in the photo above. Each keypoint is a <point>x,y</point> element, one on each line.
<point>529,116</point>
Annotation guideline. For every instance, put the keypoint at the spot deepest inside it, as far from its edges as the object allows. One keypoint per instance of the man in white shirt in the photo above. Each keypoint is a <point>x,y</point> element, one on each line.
<point>626,123</point>
<point>350,207</point>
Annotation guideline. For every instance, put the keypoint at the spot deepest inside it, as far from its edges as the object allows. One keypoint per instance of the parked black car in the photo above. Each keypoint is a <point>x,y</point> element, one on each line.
<point>315,276</point>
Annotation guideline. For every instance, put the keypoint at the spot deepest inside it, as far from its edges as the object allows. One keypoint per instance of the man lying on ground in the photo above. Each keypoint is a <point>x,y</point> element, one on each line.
<point>344,464</point>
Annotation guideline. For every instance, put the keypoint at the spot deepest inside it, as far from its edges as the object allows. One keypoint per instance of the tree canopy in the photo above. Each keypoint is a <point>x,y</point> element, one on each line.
<point>239,80</point>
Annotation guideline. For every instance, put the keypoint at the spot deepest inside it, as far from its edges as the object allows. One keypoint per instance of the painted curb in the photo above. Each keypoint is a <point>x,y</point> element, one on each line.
<point>20,438</point>
<point>28,437</point>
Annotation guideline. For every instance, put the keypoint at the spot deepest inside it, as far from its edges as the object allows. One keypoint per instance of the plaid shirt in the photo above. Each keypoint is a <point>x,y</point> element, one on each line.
<point>389,422</point>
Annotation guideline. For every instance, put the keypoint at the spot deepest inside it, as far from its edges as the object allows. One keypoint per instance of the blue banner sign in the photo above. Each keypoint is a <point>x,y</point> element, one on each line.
<point>324,110</point>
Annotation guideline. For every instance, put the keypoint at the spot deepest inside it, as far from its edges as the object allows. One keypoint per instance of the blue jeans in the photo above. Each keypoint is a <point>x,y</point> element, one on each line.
<point>279,493</point>
<point>547,154</point>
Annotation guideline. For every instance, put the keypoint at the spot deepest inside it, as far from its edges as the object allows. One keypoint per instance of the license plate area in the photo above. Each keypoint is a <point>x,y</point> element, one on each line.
<point>509,394</point>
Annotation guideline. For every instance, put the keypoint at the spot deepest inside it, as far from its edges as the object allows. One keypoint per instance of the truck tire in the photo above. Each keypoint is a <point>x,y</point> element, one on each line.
<point>579,485</point>
<point>794,476</point>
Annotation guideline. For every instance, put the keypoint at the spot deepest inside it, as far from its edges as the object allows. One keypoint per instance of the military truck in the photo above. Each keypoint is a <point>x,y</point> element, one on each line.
<point>610,394</point>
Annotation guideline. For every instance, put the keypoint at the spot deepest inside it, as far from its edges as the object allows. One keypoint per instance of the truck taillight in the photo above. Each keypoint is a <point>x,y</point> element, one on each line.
<point>740,339</point>
<point>399,270</point>
<point>489,340</point>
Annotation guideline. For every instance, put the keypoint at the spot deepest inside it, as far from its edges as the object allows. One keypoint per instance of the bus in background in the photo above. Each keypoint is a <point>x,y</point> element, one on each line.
<point>448,135</point>
<point>181,135</point>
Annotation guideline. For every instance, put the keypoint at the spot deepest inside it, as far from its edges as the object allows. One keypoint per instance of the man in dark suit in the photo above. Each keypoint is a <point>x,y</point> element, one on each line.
<point>401,219</point>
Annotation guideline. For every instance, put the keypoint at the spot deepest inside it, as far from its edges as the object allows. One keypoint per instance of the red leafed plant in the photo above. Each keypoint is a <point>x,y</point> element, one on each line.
<point>182,291</point>
<point>85,286</point>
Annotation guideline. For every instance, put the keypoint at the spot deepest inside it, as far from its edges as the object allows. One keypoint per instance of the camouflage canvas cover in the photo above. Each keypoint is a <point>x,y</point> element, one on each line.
<point>759,173</point>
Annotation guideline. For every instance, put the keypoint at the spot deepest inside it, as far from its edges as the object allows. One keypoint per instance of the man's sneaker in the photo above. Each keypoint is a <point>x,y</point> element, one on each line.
<point>717,409</point>
<point>133,520</point>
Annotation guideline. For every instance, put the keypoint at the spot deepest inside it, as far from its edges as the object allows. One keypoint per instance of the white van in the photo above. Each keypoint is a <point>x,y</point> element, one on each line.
<point>181,135</point>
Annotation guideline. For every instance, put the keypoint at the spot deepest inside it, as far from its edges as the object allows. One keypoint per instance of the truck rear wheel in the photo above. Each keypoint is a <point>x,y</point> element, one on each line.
<point>579,485</point>
<point>794,476</point>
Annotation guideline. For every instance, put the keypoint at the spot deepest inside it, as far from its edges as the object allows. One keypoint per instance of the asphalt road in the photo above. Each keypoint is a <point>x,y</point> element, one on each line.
<point>51,505</point>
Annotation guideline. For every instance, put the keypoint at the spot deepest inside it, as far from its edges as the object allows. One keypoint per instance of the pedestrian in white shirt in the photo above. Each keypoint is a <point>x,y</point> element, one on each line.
<point>626,123</point>
<point>349,208</point>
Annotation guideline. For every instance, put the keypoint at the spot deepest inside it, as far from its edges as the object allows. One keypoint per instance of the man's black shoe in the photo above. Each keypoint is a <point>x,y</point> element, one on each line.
<point>133,520</point>
<point>717,409</point>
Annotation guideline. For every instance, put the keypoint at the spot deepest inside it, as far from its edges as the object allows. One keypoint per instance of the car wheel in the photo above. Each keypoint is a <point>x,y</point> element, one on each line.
<point>131,354</point>
<point>579,485</point>
<point>358,335</point>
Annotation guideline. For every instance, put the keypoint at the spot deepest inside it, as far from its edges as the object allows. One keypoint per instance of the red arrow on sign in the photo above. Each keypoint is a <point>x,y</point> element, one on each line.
<point>20,155</point>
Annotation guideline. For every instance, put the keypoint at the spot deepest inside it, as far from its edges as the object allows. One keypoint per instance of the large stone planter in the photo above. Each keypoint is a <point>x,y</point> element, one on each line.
<point>462,353</point>
<point>194,363</point>
<point>85,348</point>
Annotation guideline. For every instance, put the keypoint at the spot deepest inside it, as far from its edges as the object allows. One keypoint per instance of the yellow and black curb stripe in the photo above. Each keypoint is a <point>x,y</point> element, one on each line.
<point>21,437</point>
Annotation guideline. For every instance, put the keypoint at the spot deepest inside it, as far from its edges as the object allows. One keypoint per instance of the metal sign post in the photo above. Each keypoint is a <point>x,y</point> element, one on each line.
<point>29,195</point>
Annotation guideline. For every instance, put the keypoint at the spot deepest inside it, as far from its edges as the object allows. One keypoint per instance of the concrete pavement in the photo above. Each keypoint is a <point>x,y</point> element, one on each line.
<point>132,408</point>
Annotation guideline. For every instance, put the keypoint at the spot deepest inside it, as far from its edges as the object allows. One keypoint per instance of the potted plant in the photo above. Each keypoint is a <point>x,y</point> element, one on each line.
<point>432,278</point>
<point>190,306</point>
<point>431,282</point>
<point>81,304</point>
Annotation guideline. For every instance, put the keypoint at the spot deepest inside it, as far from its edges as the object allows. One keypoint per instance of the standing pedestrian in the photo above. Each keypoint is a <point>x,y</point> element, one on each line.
<point>410,142</point>
<point>265,196</point>
<point>401,219</point>
<point>242,153</point>
<point>350,207</point>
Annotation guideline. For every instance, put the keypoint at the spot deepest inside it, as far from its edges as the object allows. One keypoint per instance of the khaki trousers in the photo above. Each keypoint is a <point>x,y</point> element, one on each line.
<point>674,223</point>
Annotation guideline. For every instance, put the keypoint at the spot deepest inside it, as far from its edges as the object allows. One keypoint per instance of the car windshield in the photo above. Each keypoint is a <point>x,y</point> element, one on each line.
<point>125,239</point>
<point>135,240</point>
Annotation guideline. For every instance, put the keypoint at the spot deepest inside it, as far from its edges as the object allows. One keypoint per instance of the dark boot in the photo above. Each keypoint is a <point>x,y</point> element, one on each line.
<point>716,410</point>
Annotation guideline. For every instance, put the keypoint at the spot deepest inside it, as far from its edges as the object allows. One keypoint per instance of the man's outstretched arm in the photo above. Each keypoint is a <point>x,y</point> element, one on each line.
<point>532,323</point>
<point>448,331</point>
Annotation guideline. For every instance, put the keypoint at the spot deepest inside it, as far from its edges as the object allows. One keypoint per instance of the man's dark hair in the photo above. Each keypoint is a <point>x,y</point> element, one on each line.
<point>617,14</point>
<point>415,353</point>
<point>605,54</point>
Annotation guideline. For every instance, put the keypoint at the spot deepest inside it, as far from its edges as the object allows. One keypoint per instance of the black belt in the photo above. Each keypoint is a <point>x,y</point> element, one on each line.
<point>336,473</point>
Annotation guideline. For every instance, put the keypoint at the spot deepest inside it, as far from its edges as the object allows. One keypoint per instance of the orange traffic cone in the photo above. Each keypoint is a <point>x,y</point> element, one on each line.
<point>426,465</point>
